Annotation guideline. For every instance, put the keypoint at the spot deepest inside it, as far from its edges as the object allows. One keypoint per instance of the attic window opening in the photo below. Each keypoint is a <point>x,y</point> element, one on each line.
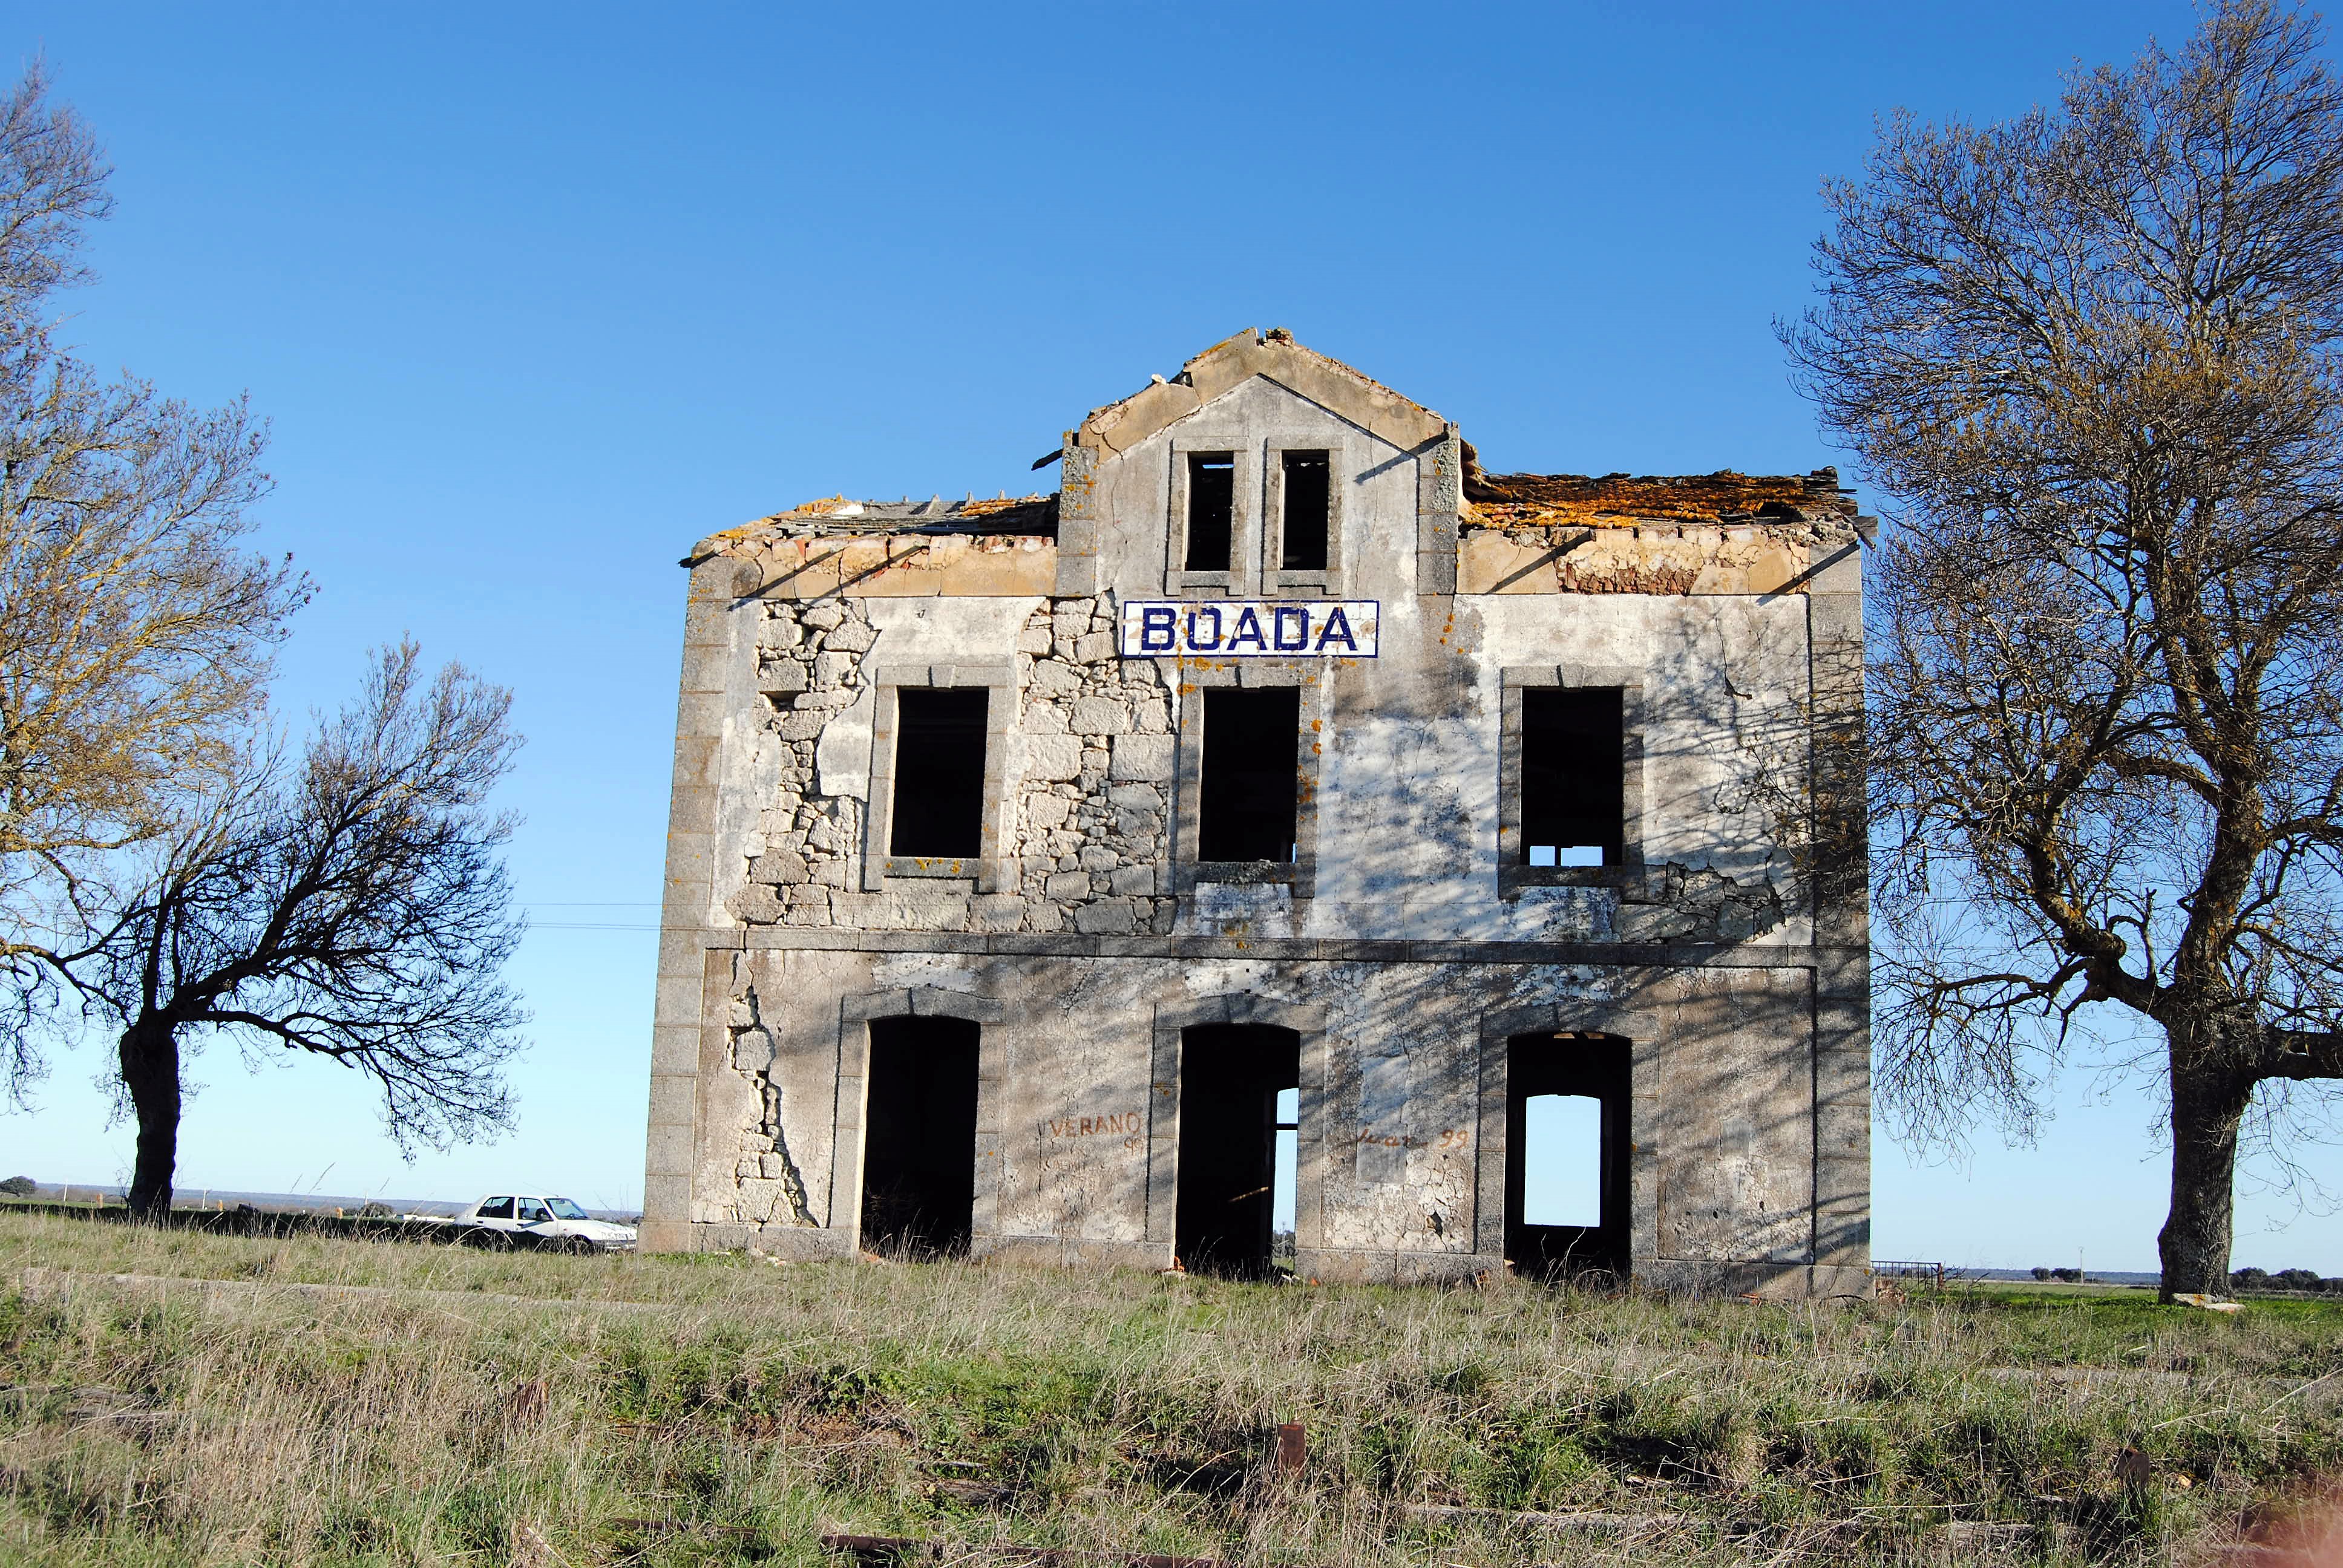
<point>940,773</point>
<point>1307,492</point>
<point>1308,484</point>
<point>1250,788</point>
<point>1212,511</point>
<point>1574,776</point>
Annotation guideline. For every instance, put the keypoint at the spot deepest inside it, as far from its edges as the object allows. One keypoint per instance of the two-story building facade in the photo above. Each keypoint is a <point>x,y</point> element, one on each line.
<point>1042,872</point>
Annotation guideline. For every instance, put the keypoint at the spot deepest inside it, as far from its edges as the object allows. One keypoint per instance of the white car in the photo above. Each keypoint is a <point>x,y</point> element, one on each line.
<point>541,1220</point>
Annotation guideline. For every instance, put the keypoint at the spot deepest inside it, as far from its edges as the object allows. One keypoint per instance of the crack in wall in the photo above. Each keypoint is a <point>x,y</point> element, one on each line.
<point>766,1176</point>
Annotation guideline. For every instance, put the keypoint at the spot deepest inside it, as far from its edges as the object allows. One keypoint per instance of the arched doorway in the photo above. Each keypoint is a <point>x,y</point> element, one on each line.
<point>1231,1076</point>
<point>919,1153</point>
<point>1568,1142</point>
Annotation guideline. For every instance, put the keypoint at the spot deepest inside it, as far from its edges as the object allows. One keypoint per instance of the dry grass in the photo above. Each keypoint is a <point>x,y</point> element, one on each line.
<point>755,1407</point>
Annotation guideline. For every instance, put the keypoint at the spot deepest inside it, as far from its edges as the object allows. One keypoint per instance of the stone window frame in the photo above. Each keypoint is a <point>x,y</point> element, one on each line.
<point>1511,875</point>
<point>1342,466</point>
<point>1244,520</point>
<point>856,1014</point>
<point>1310,1138</point>
<point>1191,681</point>
<point>986,867</point>
<point>1643,1029</point>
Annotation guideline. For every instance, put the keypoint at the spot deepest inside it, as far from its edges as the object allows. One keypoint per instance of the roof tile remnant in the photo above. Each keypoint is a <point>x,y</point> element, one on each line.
<point>835,516</point>
<point>1620,500</point>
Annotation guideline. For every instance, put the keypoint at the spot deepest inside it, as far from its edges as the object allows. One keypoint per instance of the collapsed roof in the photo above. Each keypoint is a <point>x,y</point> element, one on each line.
<point>1619,500</point>
<point>1490,500</point>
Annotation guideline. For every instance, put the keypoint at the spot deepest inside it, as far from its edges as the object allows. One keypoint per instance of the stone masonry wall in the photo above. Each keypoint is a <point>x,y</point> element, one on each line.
<point>1093,803</point>
<point>809,670</point>
<point>1092,769</point>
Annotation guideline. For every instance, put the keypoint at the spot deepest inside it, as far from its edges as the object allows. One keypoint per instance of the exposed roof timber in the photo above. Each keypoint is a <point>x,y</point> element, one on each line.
<point>1329,382</point>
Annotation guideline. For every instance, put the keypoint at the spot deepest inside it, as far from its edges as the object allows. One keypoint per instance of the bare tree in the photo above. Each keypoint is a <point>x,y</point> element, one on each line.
<point>2094,352</point>
<point>352,906</point>
<point>134,629</point>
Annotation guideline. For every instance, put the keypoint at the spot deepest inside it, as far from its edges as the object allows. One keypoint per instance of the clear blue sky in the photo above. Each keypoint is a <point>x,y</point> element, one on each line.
<point>537,295</point>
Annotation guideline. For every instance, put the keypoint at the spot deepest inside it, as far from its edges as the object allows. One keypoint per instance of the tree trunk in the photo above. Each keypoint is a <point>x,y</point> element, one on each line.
<point>150,1071</point>
<point>2209,1103</point>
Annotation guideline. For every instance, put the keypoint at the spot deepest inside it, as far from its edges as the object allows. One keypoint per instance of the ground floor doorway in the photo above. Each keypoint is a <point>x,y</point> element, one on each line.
<point>1231,1078</point>
<point>1567,1139</point>
<point>918,1148</point>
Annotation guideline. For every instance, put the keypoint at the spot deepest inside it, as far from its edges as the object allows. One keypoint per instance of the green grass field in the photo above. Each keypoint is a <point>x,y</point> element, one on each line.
<point>468,1406</point>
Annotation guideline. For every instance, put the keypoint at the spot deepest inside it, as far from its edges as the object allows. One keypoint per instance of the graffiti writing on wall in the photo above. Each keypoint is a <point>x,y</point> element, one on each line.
<point>1448,1138</point>
<point>1116,1125</point>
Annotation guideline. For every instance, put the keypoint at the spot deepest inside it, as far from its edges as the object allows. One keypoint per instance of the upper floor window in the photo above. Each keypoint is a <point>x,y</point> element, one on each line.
<point>1572,776</point>
<point>1308,493</point>
<point>1212,511</point>
<point>1249,793</point>
<point>940,772</point>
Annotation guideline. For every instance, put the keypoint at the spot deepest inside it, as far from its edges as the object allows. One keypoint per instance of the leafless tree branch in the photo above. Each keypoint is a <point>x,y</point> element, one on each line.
<point>2094,352</point>
<point>352,905</point>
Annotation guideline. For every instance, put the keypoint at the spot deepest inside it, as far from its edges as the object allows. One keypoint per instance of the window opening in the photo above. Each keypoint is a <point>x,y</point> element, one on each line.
<point>1562,1160</point>
<point>1251,786</point>
<point>1308,494</point>
<point>1211,509</point>
<point>1232,1078</point>
<point>1574,776</point>
<point>1284,1190</point>
<point>919,1153</point>
<point>1567,1102</point>
<point>938,772</point>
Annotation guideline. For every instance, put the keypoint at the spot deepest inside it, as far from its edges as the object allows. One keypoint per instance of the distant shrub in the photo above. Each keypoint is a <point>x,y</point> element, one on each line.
<point>2072,1276</point>
<point>18,1186</point>
<point>2040,1273</point>
<point>2305,1280</point>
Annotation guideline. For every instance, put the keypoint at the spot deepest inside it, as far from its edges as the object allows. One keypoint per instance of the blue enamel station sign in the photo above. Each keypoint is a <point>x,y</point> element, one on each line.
<point>1250,629</point>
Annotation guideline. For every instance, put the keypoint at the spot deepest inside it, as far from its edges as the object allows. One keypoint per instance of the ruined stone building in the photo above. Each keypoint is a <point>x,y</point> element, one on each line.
<point>1042,872</point>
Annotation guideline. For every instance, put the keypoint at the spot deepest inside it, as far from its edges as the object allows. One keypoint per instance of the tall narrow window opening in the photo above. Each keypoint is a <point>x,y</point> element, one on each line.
<point>1574,776</point>
<point>1567,1100</point>
<point>1232,1077</point>
<point>1212,511</point>
<point>1308,487</point>
<point>1249,788</point>
<point>919,1150</point>
<point>938,772</point>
